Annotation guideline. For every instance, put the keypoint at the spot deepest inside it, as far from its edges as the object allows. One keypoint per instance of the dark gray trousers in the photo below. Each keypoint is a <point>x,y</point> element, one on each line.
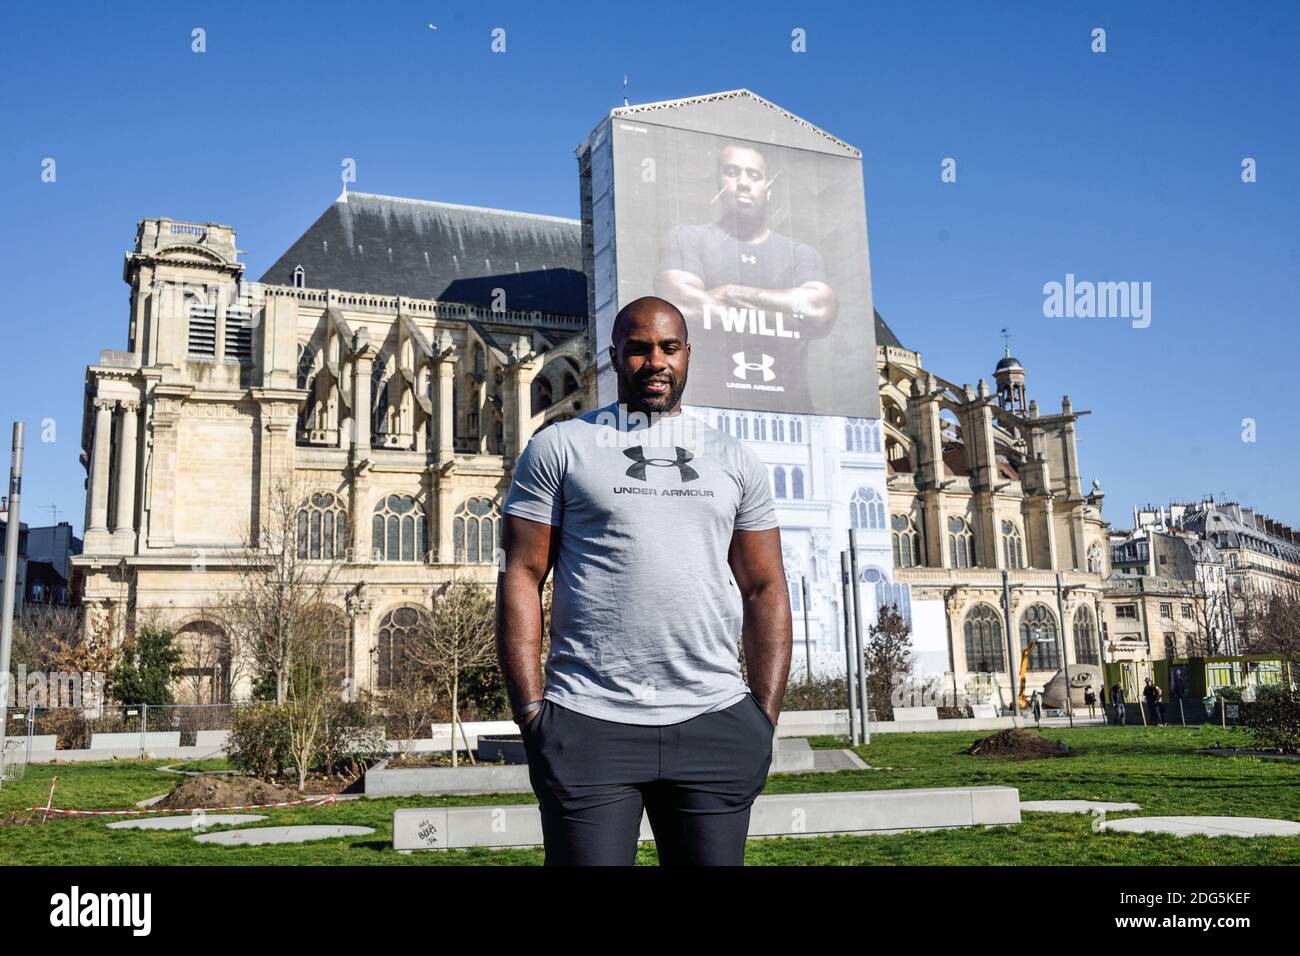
<point>696,781</point>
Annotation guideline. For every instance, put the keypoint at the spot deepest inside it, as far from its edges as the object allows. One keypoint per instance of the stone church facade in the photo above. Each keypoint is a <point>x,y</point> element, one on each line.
<point>389,368</point>
<point>981,482</point>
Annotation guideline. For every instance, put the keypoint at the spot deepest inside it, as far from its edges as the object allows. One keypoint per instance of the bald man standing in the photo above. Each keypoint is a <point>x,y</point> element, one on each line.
<point>662,533</point>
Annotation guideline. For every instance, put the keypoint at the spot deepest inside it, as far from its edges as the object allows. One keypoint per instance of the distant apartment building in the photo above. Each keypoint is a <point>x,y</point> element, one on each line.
<point>20,579</point>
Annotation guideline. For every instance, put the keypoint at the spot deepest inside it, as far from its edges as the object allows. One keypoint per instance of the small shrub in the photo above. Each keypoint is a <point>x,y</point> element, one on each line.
<point>259,741</point>
<point>1273,718</point>
<point>350,739</point>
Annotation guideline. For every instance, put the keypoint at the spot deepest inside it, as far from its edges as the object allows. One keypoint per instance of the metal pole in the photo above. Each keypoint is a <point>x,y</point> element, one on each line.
<point>845,578</point>
<point>1013,658</point>
<point>13,530</point>
<point>807,630</point>
<point>1065,659</point>
<point>144,723</point>
<point>863,699</point>
<point>31,727</point>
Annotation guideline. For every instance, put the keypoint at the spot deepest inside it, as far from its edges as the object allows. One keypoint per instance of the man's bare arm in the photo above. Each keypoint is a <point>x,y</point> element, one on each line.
<point>529,548</point>
<point>815,303</point>
<point>755,559</point>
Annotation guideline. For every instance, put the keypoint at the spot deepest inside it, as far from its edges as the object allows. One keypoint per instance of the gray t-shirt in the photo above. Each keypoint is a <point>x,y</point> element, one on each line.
<point>646,616</point>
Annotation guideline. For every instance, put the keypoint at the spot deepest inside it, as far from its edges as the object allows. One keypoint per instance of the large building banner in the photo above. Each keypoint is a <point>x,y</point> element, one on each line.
<point>753,222</point>
<point>756,229</point>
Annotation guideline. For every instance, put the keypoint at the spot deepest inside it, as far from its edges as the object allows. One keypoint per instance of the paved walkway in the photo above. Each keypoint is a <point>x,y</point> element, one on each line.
<point>1074,806</point>
<point>1205,826</point>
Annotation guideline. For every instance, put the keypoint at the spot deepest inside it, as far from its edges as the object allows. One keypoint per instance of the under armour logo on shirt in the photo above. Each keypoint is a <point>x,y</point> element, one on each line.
<point>749,259</point>
<point>640,461</point>
<point>743,367</point>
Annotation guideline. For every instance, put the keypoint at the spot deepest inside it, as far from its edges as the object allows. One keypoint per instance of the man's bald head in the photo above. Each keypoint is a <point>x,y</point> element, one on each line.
<point>648,308</point>
<point>650,354</point>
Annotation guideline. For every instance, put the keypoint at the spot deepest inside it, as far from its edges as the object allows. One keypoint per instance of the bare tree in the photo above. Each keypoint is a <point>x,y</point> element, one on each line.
<point>1201,620</point>
<point>274,614</point>
<point>278,615</point>
<point>1270,624</point>
<point>458,634</point>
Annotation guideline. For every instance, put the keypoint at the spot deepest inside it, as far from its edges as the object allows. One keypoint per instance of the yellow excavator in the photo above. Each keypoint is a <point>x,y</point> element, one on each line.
<point>1024,668</point>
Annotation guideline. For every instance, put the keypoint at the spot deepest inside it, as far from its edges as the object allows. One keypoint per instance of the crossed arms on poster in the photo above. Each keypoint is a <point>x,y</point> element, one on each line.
<point>813,304</point>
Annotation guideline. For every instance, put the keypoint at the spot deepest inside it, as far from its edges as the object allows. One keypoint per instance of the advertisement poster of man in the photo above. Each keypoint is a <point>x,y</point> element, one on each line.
<point>763,247</point>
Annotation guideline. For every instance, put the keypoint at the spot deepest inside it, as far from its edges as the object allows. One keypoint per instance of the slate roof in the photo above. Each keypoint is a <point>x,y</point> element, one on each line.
<point>885,337</point>
<point>387,245</point>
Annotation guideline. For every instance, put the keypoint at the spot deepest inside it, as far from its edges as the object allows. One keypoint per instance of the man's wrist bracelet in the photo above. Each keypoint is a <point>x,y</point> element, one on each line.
<point>526,710</point>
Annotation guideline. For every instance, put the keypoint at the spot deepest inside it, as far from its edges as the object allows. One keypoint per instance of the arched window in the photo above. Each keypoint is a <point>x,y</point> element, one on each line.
<point>299,277</point>
<point>204,671</point>
<point>1038,621</point>
<point>379,398</point>
<point>796,430</point>
<point>323,528</point>
<point>961,542</point>
<point>336,644</point>
<point>796,483</point>
<point>399,529</point>
<point>867,509</point>
<point>778,480</point>
<point>984,640</point>
<point>906,541</point>
<point>476,531</point>
<point>760,428</point>
<point>855,434</point>
<point>398,629</point>
<point>306,365</point>
<point>778,429</point>
<point>743,421</point>
<point>542,396</point>
<point>1094,559</point>
<point>1013,547</point>
<point>1085,638</point>
<point>480,359</point>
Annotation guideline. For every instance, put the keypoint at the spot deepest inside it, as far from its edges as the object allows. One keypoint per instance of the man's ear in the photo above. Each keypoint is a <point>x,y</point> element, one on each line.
<point>613,356</point>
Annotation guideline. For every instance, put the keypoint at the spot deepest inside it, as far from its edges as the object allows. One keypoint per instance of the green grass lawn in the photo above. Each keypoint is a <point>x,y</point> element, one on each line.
<point>1157,768</point>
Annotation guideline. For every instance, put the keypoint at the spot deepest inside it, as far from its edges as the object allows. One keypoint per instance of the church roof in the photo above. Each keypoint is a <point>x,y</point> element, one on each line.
<point>885,337</point>
<point>432,250</point>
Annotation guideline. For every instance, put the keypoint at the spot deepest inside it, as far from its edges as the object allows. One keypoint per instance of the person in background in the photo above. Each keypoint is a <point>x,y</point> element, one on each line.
<point>1090,699</point>
<point>1117,701</point>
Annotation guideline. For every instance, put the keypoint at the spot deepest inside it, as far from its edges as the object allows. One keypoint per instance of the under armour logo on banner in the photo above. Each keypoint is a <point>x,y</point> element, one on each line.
<point>640,461</point>
<point>743,367</point>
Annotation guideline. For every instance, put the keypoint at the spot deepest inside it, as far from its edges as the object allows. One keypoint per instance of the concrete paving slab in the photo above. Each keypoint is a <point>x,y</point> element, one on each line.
<point>831,761</point>
<point>1074,806</point>
<point>259,836</point>
<point>187,821</point>
<point>1205,826</point>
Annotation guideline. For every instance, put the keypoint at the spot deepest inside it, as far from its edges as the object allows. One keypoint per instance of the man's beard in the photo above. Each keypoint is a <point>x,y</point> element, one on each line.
<point>630,394</point>
<point>744,222</point>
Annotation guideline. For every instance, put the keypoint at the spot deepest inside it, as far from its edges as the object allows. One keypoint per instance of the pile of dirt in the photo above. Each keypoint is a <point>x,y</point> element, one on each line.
<point>222,790</point>
<point>1017,744</point>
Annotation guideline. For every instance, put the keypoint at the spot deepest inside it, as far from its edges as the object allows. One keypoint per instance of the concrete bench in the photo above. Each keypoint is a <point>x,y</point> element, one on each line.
<point>805,814</point>
<point>216,739</point>
<point>812,723</point>
<point>916,713</point>
<point>129,741</point>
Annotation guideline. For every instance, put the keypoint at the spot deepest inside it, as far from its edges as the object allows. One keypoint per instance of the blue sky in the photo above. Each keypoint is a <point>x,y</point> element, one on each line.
<point>1124,165</point>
